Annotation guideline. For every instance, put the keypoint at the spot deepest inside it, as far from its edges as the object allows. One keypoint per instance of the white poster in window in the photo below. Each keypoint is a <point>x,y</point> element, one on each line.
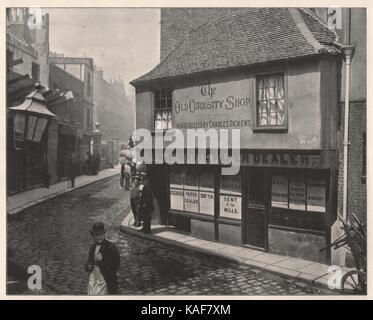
<point>176,199</point>
<point>316,196</point>
<point>206,202</point>
<point>297,195</point>
<point>230,206</point>
<point>177,190</point>
<point>279,196</point>
<point>206,193</point>
<point>191,201</point>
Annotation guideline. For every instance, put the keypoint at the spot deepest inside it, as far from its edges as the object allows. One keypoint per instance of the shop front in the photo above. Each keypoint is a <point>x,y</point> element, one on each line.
<point>283,101</point>
<point>283,207</point>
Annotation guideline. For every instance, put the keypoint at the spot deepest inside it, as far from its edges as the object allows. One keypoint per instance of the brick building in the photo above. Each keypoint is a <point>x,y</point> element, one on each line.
<point>286,197</point>
<point>114,114</point>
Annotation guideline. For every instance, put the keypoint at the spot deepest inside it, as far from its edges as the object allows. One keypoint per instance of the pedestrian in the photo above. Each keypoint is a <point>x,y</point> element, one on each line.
<point>146,207</point>
<point>127,176</point>
<point>72,171</point>
<point>134,200</point>
<point>88,160</point>
<point>102,264</point>
<point>122,161</point>
<point>96,166</point>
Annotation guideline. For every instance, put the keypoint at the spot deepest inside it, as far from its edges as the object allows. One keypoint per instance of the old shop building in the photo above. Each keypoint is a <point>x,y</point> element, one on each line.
<point>274,74</point>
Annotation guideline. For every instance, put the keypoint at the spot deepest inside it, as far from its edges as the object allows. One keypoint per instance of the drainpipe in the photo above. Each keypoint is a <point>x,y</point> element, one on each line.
<point>349,53</point>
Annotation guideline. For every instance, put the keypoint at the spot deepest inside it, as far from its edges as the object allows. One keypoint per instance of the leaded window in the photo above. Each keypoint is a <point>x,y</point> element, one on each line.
<point>163,109</point>
<point>271,101</point>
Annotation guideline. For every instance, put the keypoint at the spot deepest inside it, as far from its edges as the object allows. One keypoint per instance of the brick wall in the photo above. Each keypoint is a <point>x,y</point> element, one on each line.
<point>357,196</point>
<point>176,23</point>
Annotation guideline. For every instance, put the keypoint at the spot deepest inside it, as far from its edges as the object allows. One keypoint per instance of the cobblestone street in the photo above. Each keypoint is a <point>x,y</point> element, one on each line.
<point>54,235</point>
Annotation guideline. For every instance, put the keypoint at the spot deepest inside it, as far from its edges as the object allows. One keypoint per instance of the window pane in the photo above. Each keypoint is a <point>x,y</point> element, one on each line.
<point>40,127</point>
<point>271,101</point>
<point>297,194</point>
<point>279,195</point>
<point>316,196</point>
<point>176,190</point>
<point>31,127</point>
<point>230,196</point>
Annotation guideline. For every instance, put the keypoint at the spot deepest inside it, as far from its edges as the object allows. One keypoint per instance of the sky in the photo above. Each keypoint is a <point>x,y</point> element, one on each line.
<point>124,42</point>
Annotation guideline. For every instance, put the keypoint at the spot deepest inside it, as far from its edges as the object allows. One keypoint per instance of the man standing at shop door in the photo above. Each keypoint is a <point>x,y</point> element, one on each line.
<point>146,207</point>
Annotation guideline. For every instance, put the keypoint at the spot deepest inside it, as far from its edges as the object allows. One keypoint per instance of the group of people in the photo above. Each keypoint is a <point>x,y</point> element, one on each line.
<point>103,258</point>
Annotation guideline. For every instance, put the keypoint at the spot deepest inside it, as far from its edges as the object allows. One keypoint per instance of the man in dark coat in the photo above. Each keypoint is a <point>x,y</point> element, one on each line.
<point>146,204</point>
<point>104,255</point>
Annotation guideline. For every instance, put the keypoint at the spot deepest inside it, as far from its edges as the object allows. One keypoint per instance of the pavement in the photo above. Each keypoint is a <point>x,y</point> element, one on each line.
<point>19,202</point>
<point>312,273</point>
<point>54,236</point>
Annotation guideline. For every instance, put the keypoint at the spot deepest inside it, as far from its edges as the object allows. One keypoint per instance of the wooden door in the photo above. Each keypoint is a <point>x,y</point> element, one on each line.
<point>256,211</point>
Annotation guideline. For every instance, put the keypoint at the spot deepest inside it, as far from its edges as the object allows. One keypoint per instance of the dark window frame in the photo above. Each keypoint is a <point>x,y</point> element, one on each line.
<point>270,128</point>
<point>163,104</point>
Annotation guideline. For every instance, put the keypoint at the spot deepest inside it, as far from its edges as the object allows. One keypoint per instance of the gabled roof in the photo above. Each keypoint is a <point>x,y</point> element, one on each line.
<point>248,37</point>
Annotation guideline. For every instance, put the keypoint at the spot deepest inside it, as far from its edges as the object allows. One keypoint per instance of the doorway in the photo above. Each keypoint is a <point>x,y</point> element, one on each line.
<point>255,230</point>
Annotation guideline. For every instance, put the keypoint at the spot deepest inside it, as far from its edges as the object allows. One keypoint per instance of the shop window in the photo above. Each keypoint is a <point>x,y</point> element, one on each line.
<point>192,190</point>
<point>163,109</point>
<point>298,193</point>
<point>271,109</point>
<point>230,197</point>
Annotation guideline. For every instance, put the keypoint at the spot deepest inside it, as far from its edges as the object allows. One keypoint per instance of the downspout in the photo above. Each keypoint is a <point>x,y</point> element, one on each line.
<point>348,53</point>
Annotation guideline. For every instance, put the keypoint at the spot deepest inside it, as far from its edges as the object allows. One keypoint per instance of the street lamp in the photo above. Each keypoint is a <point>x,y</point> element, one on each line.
<point>31,117</point>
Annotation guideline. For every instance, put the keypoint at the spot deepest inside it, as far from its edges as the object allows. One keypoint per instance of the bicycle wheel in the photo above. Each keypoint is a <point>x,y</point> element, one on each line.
<point>354,282</point>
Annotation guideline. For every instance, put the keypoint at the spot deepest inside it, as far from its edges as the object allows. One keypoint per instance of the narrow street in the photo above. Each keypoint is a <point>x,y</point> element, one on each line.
<point>54,235</point>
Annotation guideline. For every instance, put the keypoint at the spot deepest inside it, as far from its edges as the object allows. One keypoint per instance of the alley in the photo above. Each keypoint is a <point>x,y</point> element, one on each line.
<point>54,235</point>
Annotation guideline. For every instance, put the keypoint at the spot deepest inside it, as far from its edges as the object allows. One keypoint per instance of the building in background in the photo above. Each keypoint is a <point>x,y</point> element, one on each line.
<point>27,51</point>
<point>75,75</point>
<point>279,76</point>
<point>114,114</point>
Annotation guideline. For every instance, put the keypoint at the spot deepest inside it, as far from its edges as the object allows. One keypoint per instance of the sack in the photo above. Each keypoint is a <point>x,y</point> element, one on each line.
<point>122,161</point>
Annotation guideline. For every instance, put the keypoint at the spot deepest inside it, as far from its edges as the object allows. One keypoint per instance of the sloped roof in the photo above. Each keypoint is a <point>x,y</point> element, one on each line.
<point>250,36</point>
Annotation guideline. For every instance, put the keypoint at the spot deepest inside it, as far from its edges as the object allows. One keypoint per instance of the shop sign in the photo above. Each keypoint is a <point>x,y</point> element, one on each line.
<point>176,199</point>
<point>191,201</point>
<point>297,195</point>
<point>214,105</point>
<point>279,197</point>
<point>177,191</point>
<point>274,159</point>
<point>206,202</point>
<point>230,197</point>
<point>230,206</point>
<point>206,194</point>
<point>316,196</point>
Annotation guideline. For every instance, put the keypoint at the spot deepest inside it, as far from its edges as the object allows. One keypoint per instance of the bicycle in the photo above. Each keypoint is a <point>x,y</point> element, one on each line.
<point>354,239</point>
